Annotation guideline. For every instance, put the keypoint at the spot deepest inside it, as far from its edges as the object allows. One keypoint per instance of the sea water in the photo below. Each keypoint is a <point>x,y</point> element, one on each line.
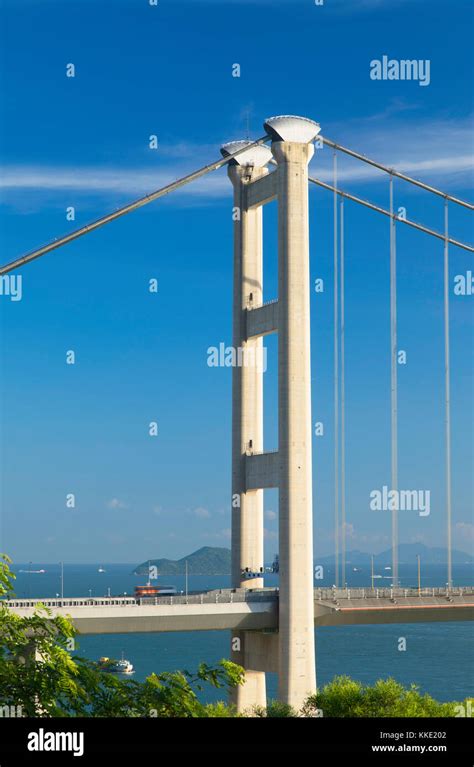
<point>439,657</point>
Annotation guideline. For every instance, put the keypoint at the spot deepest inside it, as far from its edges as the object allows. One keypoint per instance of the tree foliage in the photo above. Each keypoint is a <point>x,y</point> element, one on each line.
<point>40,677</point>
<point>346,697</point>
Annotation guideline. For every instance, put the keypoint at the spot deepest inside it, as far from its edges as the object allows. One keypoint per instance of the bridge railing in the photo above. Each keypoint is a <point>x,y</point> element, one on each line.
<point>251,305</point>
<point>213,597</point>
<point>229,596</point>
<point>71,602</point>
<point>391,593</point>
<point>224,596</point>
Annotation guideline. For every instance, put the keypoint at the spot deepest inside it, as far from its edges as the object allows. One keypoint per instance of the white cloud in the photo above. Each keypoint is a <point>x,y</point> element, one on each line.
<point>224,534</point>
<point>116,503</point>
<point>465,531</point>
<point>96,180</point>
<point>201,513</point>
<point>270,515</point>
<point>435,150</point>
<point>355,536</point>
<point>436,166</point>
<point>269,535</point>
<point>438,151</point>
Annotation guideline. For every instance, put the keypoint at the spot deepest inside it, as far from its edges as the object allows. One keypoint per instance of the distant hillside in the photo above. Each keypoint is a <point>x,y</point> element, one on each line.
<point>407,553</point>
<point>216,561</point>
<point>206,561</point>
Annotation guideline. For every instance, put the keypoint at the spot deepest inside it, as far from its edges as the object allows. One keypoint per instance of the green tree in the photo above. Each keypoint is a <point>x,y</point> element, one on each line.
<point>345,697</point>
<point>275,709</point>
<point>40,677</point>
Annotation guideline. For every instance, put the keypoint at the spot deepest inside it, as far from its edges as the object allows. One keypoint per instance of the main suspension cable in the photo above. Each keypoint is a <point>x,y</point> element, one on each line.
<point>127,208</point>
<point>378,209</point>
<point>396,173</point>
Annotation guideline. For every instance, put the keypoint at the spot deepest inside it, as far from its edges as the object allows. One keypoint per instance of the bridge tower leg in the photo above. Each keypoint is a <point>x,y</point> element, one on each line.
<point>297,664</point>
<point>247,409</point>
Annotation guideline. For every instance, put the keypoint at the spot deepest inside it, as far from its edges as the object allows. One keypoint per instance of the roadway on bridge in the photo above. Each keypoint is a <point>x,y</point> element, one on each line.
<point>254,610</point>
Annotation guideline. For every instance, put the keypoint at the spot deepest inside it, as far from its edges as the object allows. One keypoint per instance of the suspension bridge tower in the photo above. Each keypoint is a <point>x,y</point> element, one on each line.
<point>290,652</point>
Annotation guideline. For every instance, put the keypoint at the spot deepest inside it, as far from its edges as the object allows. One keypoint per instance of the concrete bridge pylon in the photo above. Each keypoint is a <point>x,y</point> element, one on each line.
<point>291,652</point>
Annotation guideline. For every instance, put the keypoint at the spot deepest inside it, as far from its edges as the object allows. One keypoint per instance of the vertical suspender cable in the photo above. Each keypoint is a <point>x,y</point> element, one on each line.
<point>447,392</point>
<point>343,405</point>
<point>394,398</point>
<point>336,383</point>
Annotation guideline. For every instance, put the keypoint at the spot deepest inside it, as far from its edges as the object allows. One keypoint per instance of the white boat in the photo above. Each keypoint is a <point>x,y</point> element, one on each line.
<point>123,666</point>
<point>111,666</point>
<point>101,569</point>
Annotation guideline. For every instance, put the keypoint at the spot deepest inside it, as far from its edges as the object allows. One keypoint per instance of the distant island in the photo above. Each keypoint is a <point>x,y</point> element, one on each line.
<point>211,560</point>
<point>407,553</point>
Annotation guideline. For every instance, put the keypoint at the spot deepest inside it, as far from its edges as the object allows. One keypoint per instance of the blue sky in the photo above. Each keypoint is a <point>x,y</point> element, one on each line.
<point>84,142</point>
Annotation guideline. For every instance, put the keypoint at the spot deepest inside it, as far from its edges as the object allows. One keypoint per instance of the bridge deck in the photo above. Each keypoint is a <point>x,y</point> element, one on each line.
<point>253,610</point>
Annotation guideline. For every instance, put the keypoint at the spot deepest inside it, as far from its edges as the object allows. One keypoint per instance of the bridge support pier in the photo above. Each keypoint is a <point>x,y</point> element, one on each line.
<point>253,691</point>
<point>257,653</point>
